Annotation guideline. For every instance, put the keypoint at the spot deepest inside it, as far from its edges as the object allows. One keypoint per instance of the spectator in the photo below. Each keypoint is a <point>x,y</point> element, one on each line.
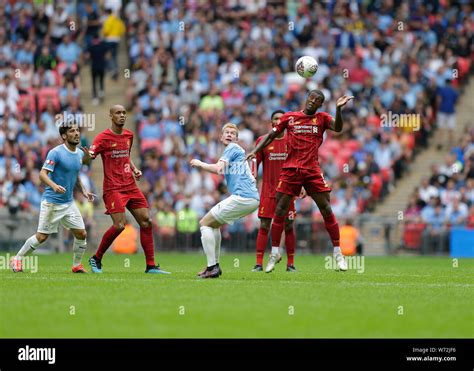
<point>187,226</point>
<point>456,213</point>
<point>113,29</point>
<point>97,52</point>
<point>435,236</point>
<point>447,97</point>
<point>351,241</point>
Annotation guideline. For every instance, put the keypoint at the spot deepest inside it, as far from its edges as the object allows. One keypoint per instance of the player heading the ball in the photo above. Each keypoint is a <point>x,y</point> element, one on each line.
<point>305,130</point>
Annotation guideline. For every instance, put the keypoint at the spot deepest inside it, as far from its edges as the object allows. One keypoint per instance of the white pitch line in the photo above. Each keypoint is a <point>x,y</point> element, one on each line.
<point>323,283</point>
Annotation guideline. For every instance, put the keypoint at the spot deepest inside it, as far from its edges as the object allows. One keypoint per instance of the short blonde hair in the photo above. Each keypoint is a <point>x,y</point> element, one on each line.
<point>232,126</point>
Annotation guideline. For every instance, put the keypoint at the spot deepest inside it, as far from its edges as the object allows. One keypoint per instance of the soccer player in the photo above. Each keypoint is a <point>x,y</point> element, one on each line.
<point>242,202</point>
<point>120,189</point>
<point>60,174</point>
<point>305,131</point>
<point>272,158</point>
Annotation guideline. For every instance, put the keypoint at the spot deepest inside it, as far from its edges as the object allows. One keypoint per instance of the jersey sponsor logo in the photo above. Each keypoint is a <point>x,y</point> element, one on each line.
<point>118,153</point>
<point>278,156</point>
<point>50,162</point>
<point>315,129</point>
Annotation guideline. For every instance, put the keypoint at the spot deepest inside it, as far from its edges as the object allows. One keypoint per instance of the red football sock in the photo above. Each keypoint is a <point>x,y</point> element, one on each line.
<point>290,243</point>
<point>333,228</point>
<point>146,239</point>
<point>278,225</point>
<point>262,239</point>
<point>109,236</point>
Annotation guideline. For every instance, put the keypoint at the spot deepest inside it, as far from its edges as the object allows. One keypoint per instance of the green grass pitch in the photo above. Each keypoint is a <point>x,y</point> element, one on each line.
<point>395,297</point>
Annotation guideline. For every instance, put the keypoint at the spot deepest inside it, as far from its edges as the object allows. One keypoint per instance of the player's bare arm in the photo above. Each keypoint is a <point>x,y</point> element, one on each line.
<point>216,168</point>
<point>88,195</point>
<point>136,172</point>
<point>336,125</point>
<point>47,180</point>
<point>87,159</point>
<point>265,142</point>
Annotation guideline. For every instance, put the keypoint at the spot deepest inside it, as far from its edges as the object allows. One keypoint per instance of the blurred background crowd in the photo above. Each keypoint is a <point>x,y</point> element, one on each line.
<point>195,65</point>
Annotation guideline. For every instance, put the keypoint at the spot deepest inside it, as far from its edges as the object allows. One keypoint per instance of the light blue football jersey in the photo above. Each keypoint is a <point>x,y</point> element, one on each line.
<point>64,166</point>
<point>237,173</point>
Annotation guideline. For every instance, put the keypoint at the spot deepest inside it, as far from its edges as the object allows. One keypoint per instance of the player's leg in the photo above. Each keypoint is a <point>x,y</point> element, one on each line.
<point>262,240</point>
<point>142,216</point>
<point>47,224</point>
<point>78,249</point>
<point>225,212</point>
<point>283,202</point>
<point>71,219</point>
<point>323,202</point>
<point>290,238</point>
<point>211,239</point>
<point>116,209</point>
<point>118,220</point>
<point>290,244</point>
<point>30,245</point>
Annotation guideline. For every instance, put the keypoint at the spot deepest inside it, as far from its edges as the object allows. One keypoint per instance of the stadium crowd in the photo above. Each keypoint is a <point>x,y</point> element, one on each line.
<point>443,200</point>
<point>195,67</point>
<point>42,49</point>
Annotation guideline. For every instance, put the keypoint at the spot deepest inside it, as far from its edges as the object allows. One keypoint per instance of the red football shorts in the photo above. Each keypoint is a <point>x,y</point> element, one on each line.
<point>116,201</point>
<point>292,179</point>
<point>267,206</point>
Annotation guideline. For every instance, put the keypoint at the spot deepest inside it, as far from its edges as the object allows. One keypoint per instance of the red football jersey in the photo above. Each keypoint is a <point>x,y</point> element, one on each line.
<point>115,152</point>
<point>272,157</point>
<point>304,136</point>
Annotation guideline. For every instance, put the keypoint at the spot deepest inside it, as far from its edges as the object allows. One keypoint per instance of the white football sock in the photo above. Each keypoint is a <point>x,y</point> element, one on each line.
<point>78,248</point>
<point>275,250</point>
<point>30,244</point>
<point>218,238</point>
<point>337,250</point>
<point>209,245</point>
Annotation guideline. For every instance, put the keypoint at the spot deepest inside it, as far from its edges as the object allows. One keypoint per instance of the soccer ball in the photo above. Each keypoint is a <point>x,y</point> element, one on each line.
<point>306,66</point>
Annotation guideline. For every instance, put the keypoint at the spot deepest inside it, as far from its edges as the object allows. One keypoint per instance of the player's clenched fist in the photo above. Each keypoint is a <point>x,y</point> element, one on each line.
<point>195,162</point>
<point>137,174</point>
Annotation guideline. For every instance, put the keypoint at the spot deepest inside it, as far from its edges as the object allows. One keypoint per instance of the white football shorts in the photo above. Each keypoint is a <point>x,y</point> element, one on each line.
<point>233,208</point>
<point>52,214</point>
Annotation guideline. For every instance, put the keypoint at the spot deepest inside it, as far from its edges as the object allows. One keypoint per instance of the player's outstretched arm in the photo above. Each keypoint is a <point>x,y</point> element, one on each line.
<point>263,143</point>
<point>43,175</point>
<point>211,168</point>
<point>90,196</point>
<point>336,125</point>
<point>87,159</point>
